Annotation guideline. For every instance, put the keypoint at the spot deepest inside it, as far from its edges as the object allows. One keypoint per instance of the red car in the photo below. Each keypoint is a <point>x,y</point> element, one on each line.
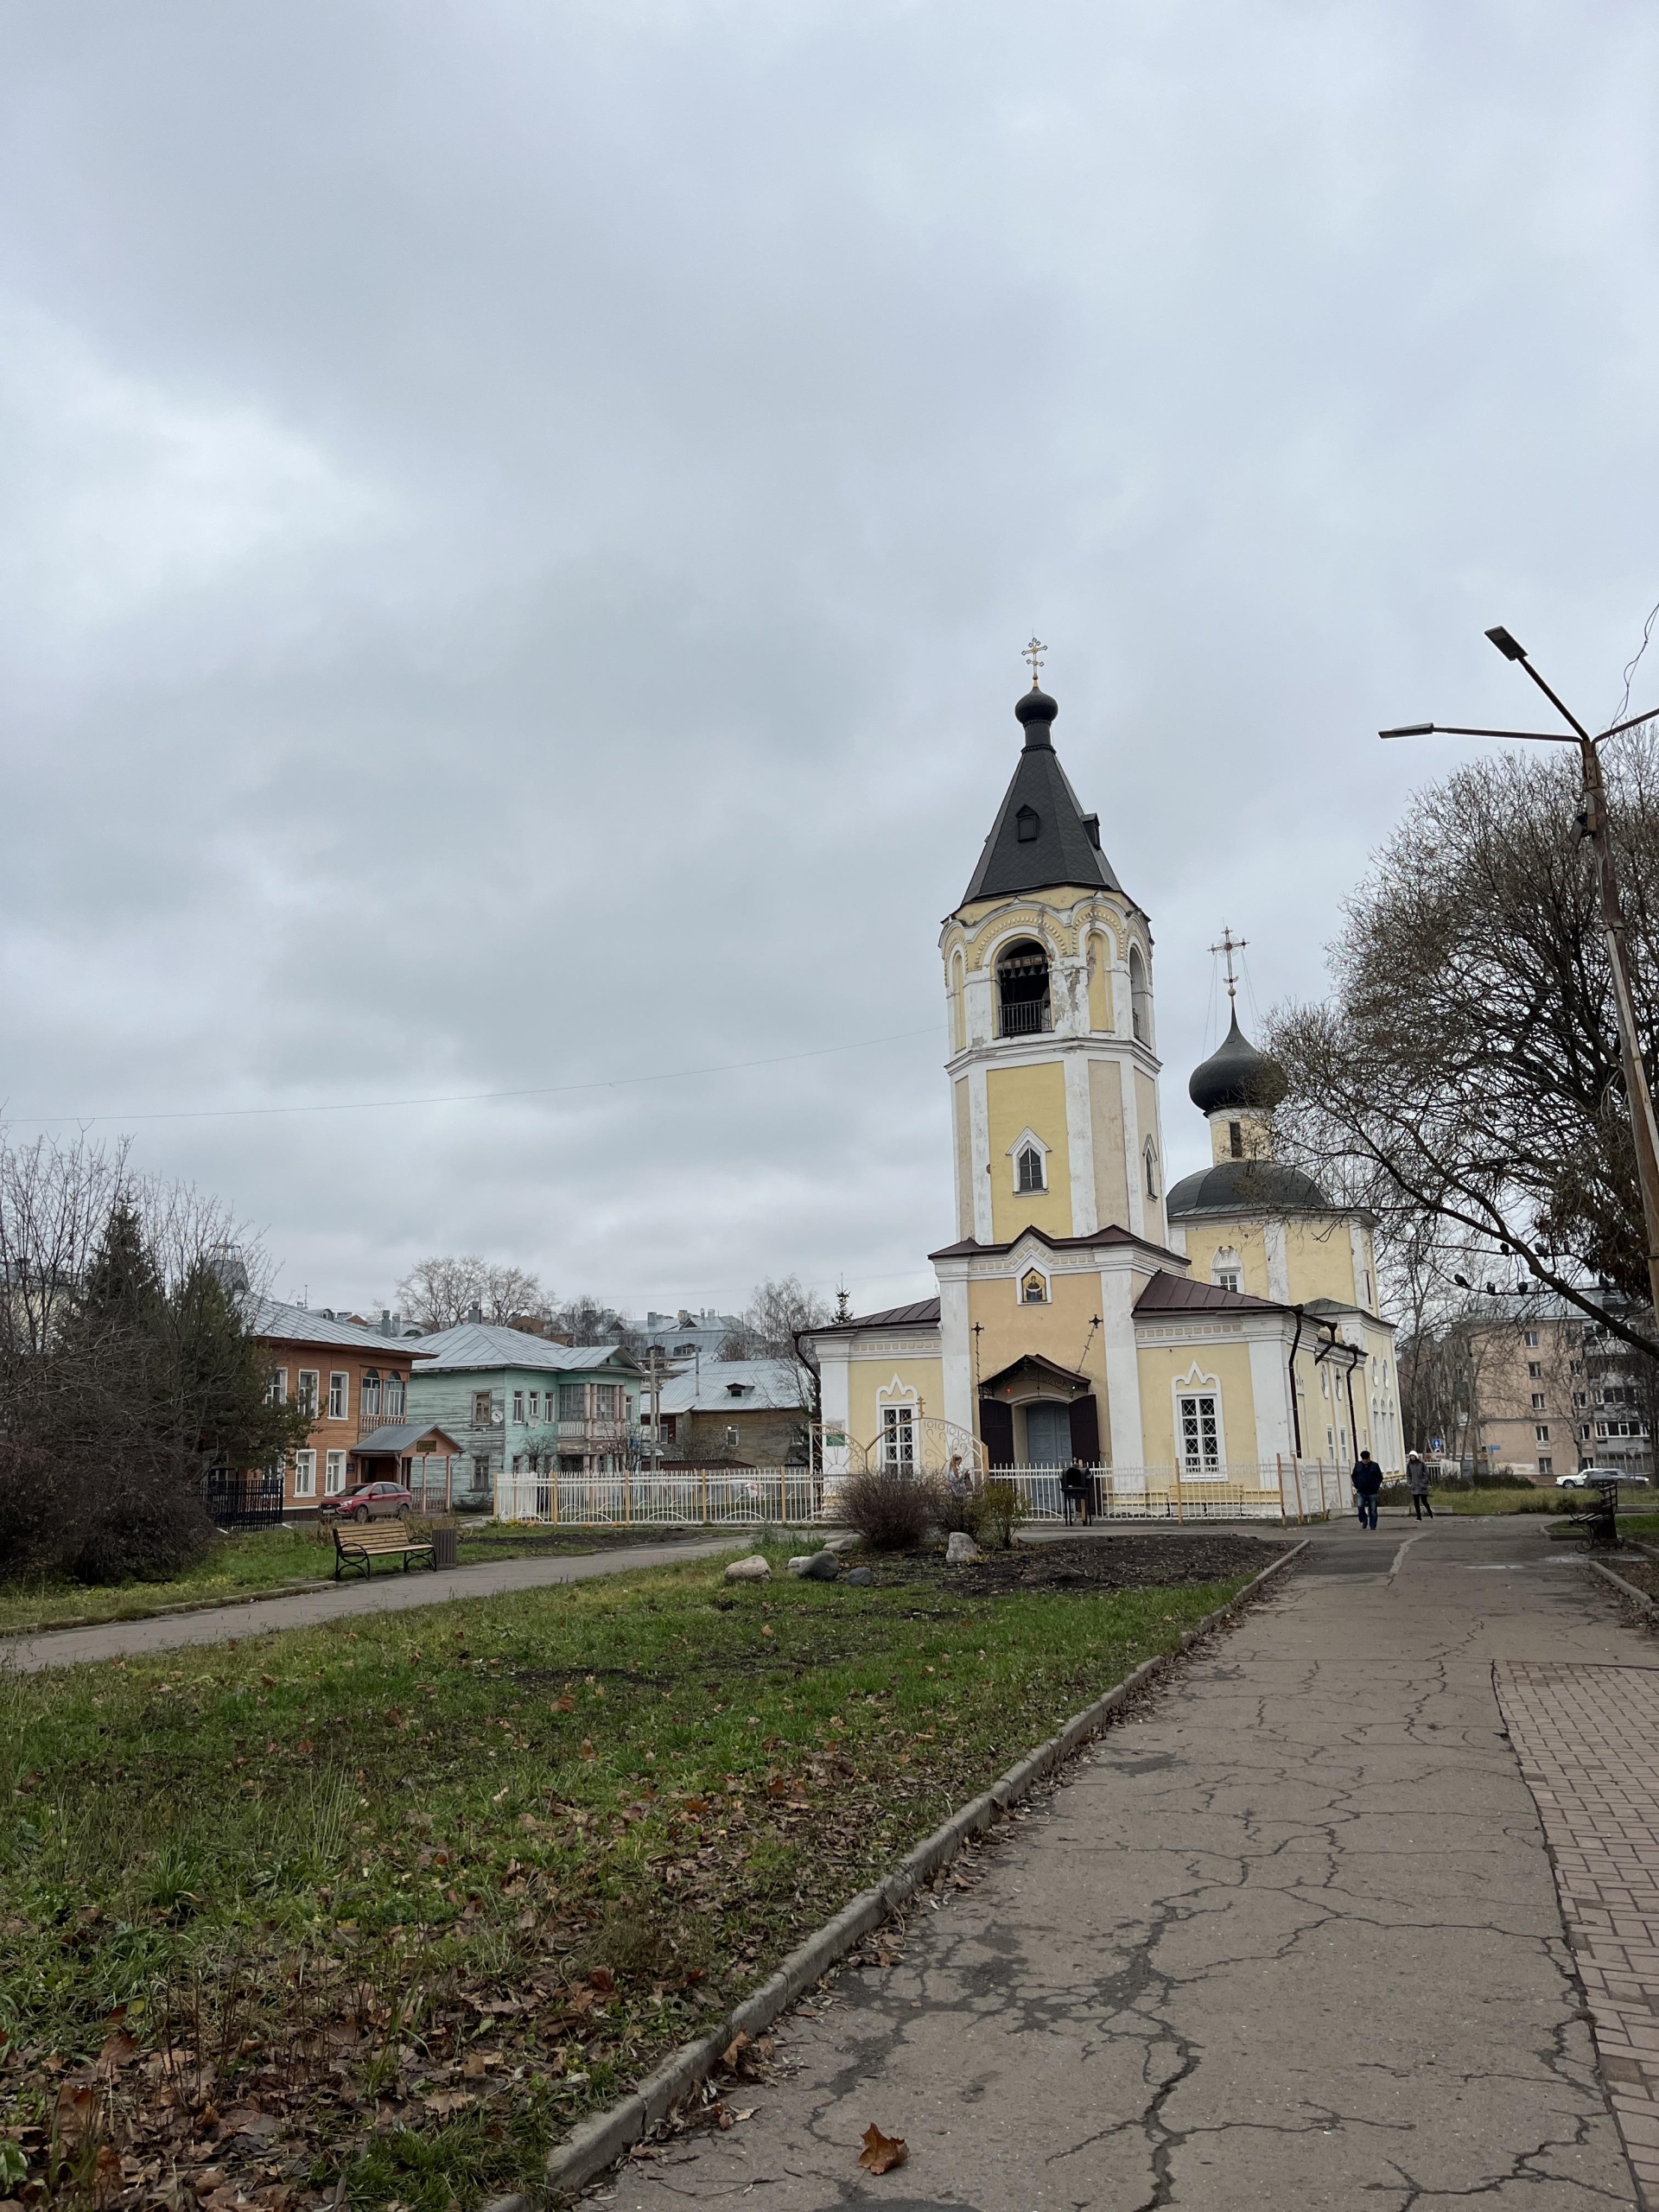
<point>373,1501</point>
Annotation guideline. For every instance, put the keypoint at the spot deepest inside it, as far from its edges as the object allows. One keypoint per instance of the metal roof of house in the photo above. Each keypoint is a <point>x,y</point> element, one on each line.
<point>480,1345</point>
<point>278,1323</point>
<point>741,1386</point>
<point>403,1436</point>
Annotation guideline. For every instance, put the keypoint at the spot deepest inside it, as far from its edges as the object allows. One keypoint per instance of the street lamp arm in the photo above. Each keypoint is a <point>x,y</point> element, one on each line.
<point>1457,729</point>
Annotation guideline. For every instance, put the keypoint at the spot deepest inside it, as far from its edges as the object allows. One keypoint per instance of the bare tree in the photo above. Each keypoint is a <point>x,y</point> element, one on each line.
<point>1464,1081</point>
<point>778,1309</point>
<point>441,1294</point>
<point>589,1321</point>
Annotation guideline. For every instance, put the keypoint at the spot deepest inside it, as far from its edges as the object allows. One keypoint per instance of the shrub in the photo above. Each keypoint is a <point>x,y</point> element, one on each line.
<point>891,1511</point>
<point>998,1510</point>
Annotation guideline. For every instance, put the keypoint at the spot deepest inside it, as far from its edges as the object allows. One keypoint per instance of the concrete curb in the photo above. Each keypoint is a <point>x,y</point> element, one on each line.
<point>1627,1589</point>
<point>600,2141</point>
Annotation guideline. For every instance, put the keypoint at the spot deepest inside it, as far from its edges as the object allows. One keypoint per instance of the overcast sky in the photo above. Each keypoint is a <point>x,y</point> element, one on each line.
<point>519,521</point>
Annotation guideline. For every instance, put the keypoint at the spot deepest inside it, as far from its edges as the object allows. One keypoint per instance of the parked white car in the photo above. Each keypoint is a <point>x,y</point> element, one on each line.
<point>1585,1476</point>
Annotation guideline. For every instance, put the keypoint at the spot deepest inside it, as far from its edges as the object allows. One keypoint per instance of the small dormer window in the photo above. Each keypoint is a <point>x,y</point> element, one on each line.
<point>1027,822</point>
<point>1029,1169</point>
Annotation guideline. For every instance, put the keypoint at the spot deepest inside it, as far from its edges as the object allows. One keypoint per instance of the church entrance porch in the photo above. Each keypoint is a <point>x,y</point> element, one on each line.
<point>1036,1414</point>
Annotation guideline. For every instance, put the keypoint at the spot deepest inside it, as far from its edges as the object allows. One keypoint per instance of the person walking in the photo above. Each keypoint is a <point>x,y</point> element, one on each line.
<point>1367,1480</point>
<point>1417,1483</point>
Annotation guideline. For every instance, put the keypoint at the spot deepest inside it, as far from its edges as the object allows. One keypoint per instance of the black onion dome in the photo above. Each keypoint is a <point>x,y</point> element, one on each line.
<point>1237,1075</point>
<point>1037,711</point>
<point>1248,1186</point>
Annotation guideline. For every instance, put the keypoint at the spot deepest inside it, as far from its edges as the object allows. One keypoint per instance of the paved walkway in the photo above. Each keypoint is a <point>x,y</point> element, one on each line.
<point>1289,1937</point>
<point>391,1590</point>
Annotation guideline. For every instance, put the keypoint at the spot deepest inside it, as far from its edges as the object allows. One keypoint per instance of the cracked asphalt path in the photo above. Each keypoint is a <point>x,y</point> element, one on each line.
<point>1288,1936</point>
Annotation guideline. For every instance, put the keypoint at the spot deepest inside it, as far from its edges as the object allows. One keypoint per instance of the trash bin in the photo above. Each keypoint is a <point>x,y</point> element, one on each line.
<point>444,1543</point>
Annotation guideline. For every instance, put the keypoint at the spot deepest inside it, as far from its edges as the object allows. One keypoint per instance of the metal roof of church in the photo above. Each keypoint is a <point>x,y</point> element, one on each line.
<point>1168,1294</point>
<point>1056,843</point>
<point>923,1312</point>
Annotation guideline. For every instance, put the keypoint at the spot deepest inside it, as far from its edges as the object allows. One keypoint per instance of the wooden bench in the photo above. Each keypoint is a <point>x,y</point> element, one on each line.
<point>1597,1519</point>
<point>359,1548</point>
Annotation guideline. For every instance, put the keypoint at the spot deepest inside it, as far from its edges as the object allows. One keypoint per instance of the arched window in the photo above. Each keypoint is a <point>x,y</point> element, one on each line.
<point>1022,990</point>
<point>958,1011</point>
<point>1152,1169</point>
<point>1029,1169</point>
<point>369,1395</point>
<point>1139,996</point>
<point>1227,1270</point>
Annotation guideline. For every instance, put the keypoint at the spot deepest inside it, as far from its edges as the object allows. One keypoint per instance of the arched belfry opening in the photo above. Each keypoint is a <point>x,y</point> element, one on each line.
<point>1139,996</point>
<point>1022,1000</point>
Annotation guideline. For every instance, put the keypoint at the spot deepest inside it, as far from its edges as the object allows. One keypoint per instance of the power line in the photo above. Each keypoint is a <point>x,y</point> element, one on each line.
<point>467,1097</point>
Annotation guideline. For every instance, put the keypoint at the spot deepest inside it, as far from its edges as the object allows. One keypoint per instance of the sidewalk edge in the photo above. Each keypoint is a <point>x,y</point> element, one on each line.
<point>1628,1589</point>
<point>600,2141</point>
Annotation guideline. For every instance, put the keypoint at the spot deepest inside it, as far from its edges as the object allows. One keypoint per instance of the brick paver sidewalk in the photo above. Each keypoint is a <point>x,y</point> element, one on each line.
<point>1588,1742</point>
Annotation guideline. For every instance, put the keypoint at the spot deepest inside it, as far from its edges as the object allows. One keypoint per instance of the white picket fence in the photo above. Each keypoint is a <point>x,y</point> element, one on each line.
<point>718,1497</point>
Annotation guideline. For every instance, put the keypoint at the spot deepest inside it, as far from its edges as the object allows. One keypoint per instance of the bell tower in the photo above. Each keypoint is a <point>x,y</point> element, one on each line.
<point>1053,1064</point>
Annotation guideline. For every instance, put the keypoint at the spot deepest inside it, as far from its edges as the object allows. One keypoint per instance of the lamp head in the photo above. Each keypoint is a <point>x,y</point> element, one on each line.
<point>1506,645</point>
<point>1411,729</point>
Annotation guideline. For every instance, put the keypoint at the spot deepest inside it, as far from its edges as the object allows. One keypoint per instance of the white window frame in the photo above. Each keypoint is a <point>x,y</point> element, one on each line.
<point>339,1394</point>
<point>1227,1269</point>
<point>1540,1432</point>
<point>1198,1386</point>
<point>276,1387</point>
<point>1530,1338</point>
<point>899,1411</point>
<point>333,1474</point>
<point>536,1406</point>
<point>517,1413</point>
<point>1028,1141</point>
<point>307,1390</point>
<point>305,1474</point>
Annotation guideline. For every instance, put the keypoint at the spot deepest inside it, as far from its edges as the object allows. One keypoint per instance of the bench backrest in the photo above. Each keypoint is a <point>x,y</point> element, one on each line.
<point>377,1536</point>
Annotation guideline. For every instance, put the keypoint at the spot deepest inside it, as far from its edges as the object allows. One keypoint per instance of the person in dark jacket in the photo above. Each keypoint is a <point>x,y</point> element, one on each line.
<point>1074,1493</point>
<point>1417,1483</point>
<point>1367,1480</point>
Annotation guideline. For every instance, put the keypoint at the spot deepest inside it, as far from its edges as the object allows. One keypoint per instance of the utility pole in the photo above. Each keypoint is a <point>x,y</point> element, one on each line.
<point>1593,825</point>
<point>653,1374</point>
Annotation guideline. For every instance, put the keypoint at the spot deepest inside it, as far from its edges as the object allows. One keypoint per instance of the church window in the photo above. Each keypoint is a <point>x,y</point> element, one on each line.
<point>899,1439</point>
<point>1027,823</point>
<point>1226,1270</point>
<point>1022,990</point>
<point>1235,1139</point>
<point>1199,1431</point>
<point>1033,1291</point>
<point>1139,996</point>
<point>1151,1170</point>
<point>1029,1169</point>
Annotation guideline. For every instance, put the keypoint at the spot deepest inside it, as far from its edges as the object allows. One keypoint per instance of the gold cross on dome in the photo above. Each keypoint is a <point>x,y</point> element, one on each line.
<point>1230,945</point>
<point>1033,653</point>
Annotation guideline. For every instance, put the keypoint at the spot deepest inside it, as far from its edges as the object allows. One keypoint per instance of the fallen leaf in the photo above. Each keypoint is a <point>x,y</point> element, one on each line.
<point>882,2153</point>
<point>120,2051</point>
<point>564,1704</point>
<point>587,1749</point>
<point>445,2101</point>
<point>734,2051</point>
<point>747,2113</point>
<point>473,2066</point>
<point>602,1979</point>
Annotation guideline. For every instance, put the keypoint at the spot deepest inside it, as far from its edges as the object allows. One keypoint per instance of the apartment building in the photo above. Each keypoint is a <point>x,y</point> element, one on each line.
<point>1553,1392</point>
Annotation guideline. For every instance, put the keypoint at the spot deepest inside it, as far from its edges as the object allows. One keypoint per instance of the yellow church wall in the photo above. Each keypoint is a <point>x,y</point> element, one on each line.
<point>1204,1239</point>
<point>1019,1098</point>
<point>1146,1106</point>
<point>867,1378</point>
<point>1162,1365</point>
<point>964,1158</point>
<point>1106,1116</point>
<point>1059,1330</point>
<point>1318,1258</point>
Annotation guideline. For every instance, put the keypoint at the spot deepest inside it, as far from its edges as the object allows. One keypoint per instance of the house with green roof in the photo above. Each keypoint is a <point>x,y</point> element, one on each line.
<point>521,1405</point>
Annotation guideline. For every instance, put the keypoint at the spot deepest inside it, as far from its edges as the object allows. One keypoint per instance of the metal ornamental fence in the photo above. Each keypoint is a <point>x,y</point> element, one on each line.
<point>1280,1490</point>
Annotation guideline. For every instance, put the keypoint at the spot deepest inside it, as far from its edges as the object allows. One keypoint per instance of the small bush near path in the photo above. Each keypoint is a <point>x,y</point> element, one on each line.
<point>391,1902</point>
<point>892,1511</point>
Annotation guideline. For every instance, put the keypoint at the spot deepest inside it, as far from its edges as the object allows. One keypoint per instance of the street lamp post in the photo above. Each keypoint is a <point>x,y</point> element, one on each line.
<point>1593,820</point>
